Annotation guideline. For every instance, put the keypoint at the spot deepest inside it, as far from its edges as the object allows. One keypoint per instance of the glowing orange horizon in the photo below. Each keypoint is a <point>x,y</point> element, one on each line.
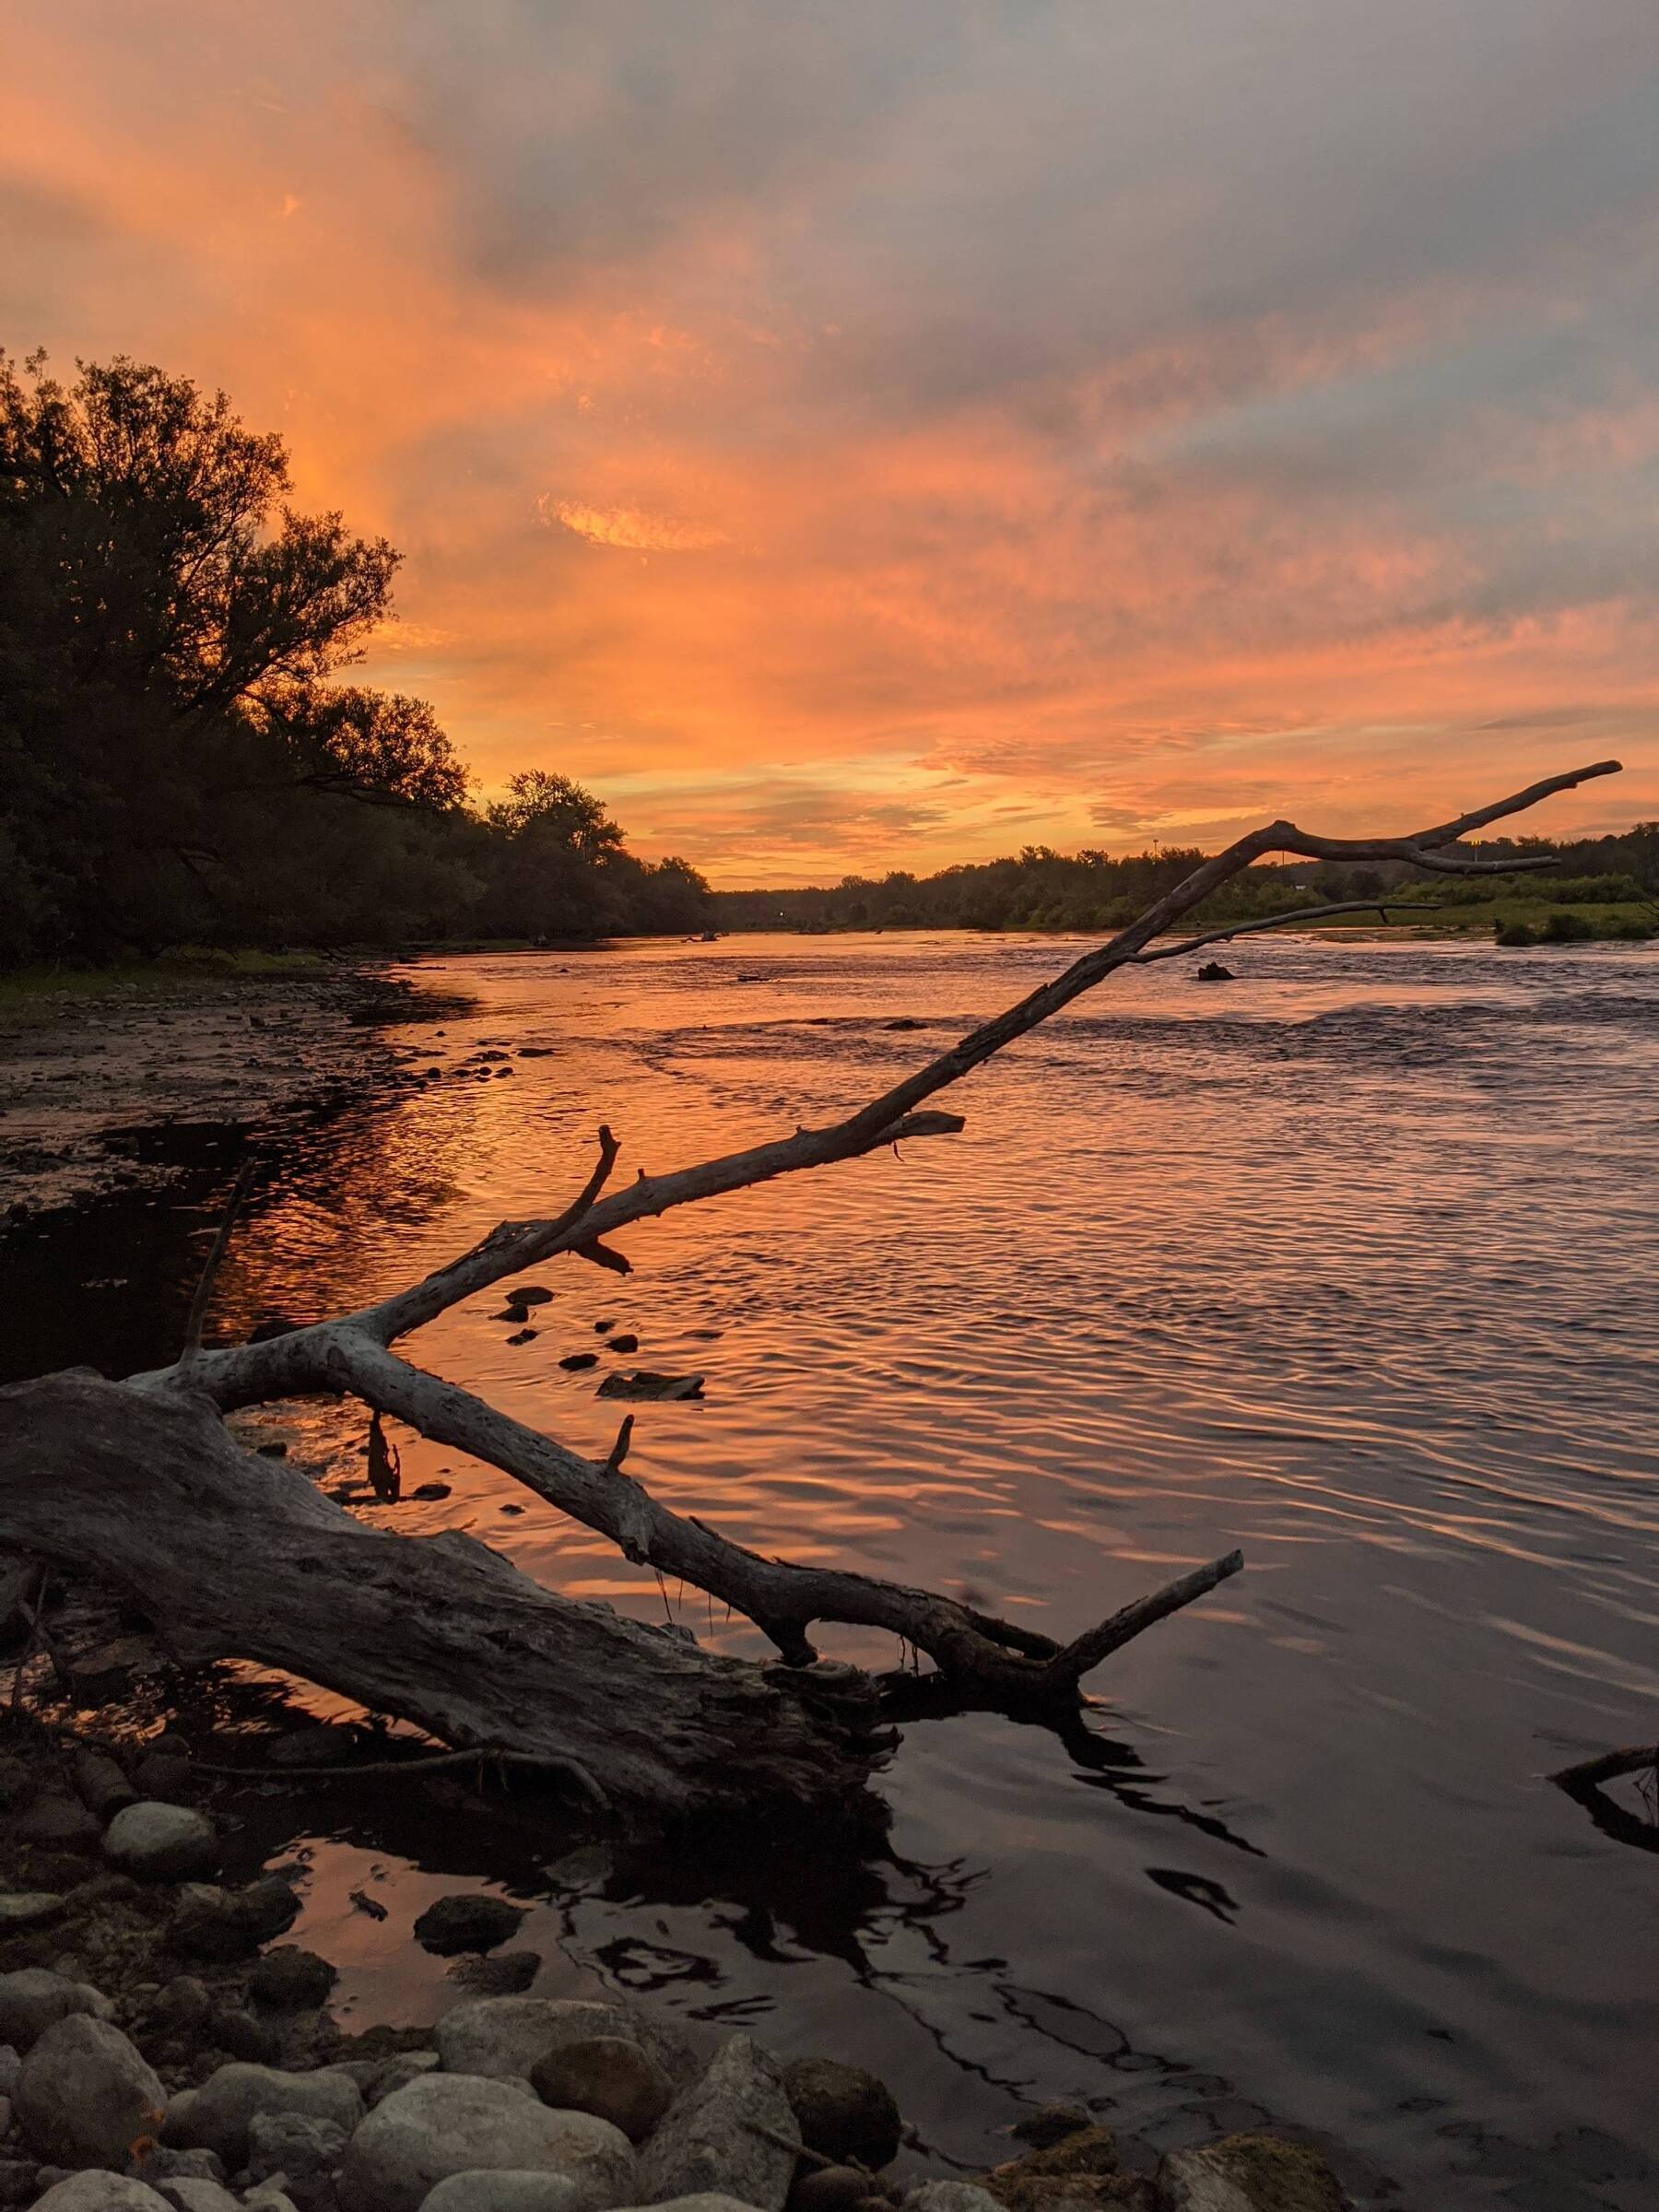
<point>801,482</point>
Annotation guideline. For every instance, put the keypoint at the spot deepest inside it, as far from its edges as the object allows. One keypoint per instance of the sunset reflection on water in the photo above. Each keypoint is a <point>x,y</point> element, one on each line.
<point>1349,1263</point>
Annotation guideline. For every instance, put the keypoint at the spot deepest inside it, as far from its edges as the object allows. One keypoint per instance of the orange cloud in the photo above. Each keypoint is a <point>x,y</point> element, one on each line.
<point>1012,441</point>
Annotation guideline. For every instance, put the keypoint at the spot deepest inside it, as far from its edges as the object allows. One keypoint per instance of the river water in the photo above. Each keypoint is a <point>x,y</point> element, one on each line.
<point>1350,1263</point>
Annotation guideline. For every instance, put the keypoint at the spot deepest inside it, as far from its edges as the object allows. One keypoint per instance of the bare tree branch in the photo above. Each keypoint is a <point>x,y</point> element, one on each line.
<point>351,1356</point>
<point>1382,908</point>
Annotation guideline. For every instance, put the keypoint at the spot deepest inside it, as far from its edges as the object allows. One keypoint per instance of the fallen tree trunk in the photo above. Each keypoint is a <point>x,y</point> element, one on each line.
<point>233,1555</point>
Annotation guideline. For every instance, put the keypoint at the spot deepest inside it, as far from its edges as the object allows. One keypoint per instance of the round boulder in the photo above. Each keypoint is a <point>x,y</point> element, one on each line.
<point>85,2094</point>
<point>480,2192</point>
<point>161,1842</point>
<point>466,1921</point>
<point>607,2075</point>
<point>219,2115</point>
<point>451,2124</point>
<point>830,2189</point>
<point>33,1999</point>
<point>842,2112</point>
<point>100,2192</point>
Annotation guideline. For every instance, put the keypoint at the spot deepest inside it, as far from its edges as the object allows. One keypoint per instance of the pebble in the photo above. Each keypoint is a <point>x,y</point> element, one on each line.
<point>28,1909</point>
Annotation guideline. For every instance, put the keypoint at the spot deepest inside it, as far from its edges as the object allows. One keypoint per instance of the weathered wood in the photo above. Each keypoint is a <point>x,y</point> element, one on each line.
<point>234,1555</point>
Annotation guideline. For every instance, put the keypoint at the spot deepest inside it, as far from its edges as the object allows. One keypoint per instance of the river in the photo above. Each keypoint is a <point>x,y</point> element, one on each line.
<point>1350,1263</point>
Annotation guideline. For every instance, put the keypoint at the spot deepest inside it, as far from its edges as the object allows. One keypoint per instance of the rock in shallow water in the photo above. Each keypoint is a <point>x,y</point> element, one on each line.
<point>451,2124</point>
<point>291,1979</point>
<point>707,2144</point>
<point>842,2112</point>
<point>85,2093</point>
<point>161,1842</point>
<point>467,1922</point>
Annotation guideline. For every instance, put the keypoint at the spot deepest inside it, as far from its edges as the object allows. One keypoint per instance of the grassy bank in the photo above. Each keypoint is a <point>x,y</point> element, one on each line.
<point>1626,921</point>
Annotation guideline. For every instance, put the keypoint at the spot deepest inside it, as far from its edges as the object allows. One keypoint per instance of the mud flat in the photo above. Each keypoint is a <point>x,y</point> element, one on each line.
<point>103,1090</point>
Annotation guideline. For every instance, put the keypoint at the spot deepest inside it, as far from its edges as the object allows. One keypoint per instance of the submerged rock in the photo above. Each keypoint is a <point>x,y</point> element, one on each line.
<point>1212,972</point>
<point>86,2093</point>
<point>707,2143</point>
<point>644,1383</point>
<point>575,1361</point>
<point>842,2112</point>
<point>452,2123</point>
<point>467,1922</point>
<point>161,1842</point>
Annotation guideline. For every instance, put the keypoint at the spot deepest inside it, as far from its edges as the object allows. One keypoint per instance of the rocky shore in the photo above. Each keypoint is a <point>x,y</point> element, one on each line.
<point>124,1090</point>
<point>163,2049</point>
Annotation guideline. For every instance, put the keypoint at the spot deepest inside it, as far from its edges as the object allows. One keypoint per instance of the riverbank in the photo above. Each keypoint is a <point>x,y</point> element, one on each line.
<point>164,2049</point>
<point>127,1080</point>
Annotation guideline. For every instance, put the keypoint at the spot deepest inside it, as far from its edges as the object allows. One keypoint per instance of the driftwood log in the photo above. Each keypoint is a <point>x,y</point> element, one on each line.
<point>230,1557</point>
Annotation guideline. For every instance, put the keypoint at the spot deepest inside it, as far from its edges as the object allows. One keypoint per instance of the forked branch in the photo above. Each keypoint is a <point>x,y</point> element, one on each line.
<point>352,1356</point>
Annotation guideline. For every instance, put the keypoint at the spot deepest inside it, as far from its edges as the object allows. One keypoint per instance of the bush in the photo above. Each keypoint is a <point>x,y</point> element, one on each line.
<point>1564,928</point>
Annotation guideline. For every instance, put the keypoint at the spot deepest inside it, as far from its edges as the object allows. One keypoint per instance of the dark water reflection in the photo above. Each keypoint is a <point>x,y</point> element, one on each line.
<point>1351,1263</point>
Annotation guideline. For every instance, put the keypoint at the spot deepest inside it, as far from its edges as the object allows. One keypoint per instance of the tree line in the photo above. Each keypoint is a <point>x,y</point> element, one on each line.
<point>1041,889</point>
<point>181,760</point>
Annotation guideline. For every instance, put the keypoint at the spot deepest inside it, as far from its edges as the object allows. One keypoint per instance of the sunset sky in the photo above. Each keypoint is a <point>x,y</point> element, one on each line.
<point>857,436</point>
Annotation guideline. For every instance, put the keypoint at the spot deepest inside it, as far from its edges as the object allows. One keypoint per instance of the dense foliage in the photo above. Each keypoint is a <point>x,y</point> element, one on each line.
<point>1042,889</point>
<point>179,762</point>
